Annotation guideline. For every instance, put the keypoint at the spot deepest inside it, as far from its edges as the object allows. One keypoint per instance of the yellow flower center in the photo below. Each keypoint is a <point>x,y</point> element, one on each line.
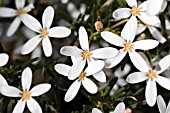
<point>151,74</point>
<point>44,32</point>
<point>25,95</point>
<point>135,11</point>
<point>86,54</point>
<point>82,75</point>
<point>128,46</point>
<point>21,11</point>
<point>147,25</point>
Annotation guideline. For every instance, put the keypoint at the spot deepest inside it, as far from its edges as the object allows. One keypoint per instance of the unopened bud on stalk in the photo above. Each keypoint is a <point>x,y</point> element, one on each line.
<point>98,25</point>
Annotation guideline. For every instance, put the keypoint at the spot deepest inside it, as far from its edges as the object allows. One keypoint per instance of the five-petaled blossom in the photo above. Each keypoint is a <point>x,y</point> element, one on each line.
<point>120,108</point>
<point>135,11</point>
<point>83,55</point>
<point>3,59</point>
<point>152,76</point>
<point>9,12</point>
<point>27,94</point>
<point>44,32</point>
<point>89,85</point>
<point>126,41</point>
<point>162,105</point>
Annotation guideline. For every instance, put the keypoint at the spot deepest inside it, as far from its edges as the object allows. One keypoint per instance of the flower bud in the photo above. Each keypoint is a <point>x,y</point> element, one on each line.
<point>98,25</point>
<point>128,110</point>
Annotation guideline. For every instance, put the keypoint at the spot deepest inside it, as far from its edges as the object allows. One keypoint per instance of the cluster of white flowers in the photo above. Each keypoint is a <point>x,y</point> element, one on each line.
<point>88,62</point>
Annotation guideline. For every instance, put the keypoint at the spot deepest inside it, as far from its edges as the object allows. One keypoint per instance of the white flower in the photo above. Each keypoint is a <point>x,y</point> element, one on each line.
<point>83,55</point>
<point>88,84</point>
<point>9,12</point>
<point>27,94</point>
<point>3,59</point>
<point>136,11</point>
<point>153,30</point>
<point>162,106</point>
<point>126,41</point>
<point>120,108</point>
<point>3,81</point>
<point>44,32</point>
<point>152,76</point>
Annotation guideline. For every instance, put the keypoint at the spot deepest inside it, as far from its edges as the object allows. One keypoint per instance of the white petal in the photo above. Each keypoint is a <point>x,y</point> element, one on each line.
<point>76,68</point>
<point>131,3</point>
<point>104,53</point>
<point>144,6</point>
<point>151,92</point>
<point>19,3</point>
<point>26,79</point>
<point>31,45</point>
<point>120,108</point>
<point>14,26</point>
<point>164,63</point>
<point>111,62</point>
<point>95,110</point>
<point>7,12</point>
<point>83,38</point>
<point>31,22</point>
<point>130,28</point>
<point>3,59</point>
<point>94,67</point>
<point>10,91</point>
<point>100,76</point>
<point>72,91</point>
<point>36,53</point>
<point>71,51</point>
<point>140,29</point>
<point>146,59</point>
<point>167,23</point>
<point>148,19</point>
<point>136,77</point>
<point>161,104</point>
<point>59,32</point>
<point>47,47</point>
<point>164,5</point>
<point>62,69</point>
<point>40,89</point>
<point>113,38</point>
<point>146,44</point>
<point>33,106</point>
<point>3,81</point>
<point>47,17</point>
<point>19,107</point>
<point>89,85</point>
<point>157,35</point>
<point>168,108</point>
<point>138,61</point>
<point>152,4</point>
<point>121,13</point>
<point>164,82</point>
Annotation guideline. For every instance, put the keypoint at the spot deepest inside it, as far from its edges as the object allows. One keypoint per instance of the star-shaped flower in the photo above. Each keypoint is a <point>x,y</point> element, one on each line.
<point>120,108</point>
<point>126,41</point>
<point>135,11</point>
<point>3,59</point>
<point>9,12</point>
<point>152,76</point>
<point>84,54</point>
<point>27,94</point>
<point>88,84</point>
<point>44,32</point>
<point>162,105</point>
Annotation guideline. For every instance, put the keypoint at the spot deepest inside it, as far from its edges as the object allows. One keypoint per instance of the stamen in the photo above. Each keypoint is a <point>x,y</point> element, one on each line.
<point>135,11</point>
<point>86,54</point>
<point>128,46</point>
<point>147,25</point>
<point>82,75</point>
<point>21,11</point>
<point>44,32</point>
<point>25,95</point>
<point>151,74</point>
